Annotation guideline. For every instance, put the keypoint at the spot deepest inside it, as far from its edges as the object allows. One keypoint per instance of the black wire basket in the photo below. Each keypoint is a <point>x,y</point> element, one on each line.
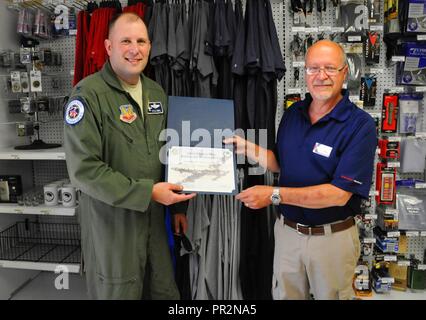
<point>41,242</point>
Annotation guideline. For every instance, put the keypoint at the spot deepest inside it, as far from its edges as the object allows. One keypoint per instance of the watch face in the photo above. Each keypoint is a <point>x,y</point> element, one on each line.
<point>276,199</point>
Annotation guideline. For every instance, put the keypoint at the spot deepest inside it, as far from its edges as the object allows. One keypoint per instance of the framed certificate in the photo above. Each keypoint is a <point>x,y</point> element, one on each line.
<point>196,157</point>
<point>206,170</point>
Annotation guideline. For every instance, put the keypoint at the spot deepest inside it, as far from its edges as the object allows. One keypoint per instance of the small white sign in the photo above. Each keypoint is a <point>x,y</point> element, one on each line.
<point>420,185</point>
<point>394,139</point>
<point>294,90</point>
<point>412,233</point>
<point>404,263</point>
<point>354,38</point>
<point>371,216</point>
<point>298,29</point>
<point>394,164</point>
<point>393,234</point>
<point>398,58</point>
<point>369,240</point>
<point>298,64</point>
<point>376,27</point>
<point>390,258</point>
<point>421,89</point>
<point>421,37</point>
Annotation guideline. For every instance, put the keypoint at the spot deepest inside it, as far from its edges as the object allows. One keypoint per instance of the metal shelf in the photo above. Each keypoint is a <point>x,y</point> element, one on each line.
<point>39,210</point>
<point>9,153</point>
<point>42,266</point>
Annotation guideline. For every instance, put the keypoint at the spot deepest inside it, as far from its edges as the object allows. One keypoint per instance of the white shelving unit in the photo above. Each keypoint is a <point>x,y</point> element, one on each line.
<point>39,210</point>
<point>9,153</point>
<point>41,266</point>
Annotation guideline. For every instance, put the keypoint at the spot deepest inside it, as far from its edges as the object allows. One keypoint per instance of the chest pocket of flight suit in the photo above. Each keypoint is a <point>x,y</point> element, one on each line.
<point>117,130</point>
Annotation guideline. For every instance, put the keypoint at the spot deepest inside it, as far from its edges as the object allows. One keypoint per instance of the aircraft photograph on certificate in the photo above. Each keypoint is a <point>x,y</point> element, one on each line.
<point>206,170</point>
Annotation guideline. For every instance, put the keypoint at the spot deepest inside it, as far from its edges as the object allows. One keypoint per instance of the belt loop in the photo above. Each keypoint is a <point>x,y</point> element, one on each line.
<point>327,230</point>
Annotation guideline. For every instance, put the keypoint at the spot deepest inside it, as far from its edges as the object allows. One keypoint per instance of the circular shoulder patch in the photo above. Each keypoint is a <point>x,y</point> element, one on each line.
<point>74,112</point>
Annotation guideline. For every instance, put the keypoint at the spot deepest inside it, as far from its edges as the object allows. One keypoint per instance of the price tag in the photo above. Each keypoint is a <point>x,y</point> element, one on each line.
<point>45,211</point>
<point>391,211</point>
<point>375,114</point>
<point>376,27</point>
<point>369,240</point>
<point>338,29</point>
<point>311,30</point>
<point>420,89</point>
<point>421,37</point>
<point>404,263</point>
<point>397,89</point>
<point>420,185</point>
<point>71,72</point>
<point>19,211</point>
<point>72,32</point>
<point>422,233</point>
<point>412,233</point>
<point>298,64</point>
<point>294,90</point>
<point>371,216</point>
<point>15,156</point>
<point>298,29</point>
<point>421,266</point>
<point>61,157</point>
<point>354,38</point>
<point>387,280</point>
<point>394,164</point>
<point>393,234</point>
<point>324,28</point>
<point>390,258</point>
<point>398,58</point>
<point>376,70</point>
<point>394,139</point>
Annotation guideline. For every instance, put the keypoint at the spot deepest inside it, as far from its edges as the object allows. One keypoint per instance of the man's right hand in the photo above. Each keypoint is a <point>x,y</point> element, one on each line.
<point>239,143</point>
<point>167,193</point>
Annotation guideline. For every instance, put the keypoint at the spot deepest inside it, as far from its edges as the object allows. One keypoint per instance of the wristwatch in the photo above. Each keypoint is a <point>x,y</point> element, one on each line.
<point>275,196</point>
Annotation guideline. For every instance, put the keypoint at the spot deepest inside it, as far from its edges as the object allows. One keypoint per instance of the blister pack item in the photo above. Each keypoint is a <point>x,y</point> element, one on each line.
<point>409,106</point>
<point>411,206</point>
<point>416,19</point>
<point>413,70</point>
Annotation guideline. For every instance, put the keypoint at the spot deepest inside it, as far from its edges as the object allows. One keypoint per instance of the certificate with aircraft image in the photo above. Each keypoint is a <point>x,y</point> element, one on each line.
<point>202,170</point>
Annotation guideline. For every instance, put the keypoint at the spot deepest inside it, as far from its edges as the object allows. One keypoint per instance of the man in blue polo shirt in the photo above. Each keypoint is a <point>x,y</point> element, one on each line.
<point>325,156</point>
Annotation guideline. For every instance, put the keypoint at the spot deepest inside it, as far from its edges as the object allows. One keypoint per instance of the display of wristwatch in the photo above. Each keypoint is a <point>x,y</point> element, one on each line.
<point>275,196</point>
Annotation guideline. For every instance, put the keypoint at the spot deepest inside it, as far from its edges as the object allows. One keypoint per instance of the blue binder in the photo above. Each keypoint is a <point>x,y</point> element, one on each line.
<point>196,119</point>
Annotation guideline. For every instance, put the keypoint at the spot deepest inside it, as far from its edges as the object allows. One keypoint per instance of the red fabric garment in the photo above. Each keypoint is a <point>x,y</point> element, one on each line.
<point>138,8</point>
<point>83,24</point>
<point>96,54</point>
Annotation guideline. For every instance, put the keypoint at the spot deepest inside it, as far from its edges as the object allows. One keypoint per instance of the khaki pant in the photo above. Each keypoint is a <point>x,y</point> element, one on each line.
<point>323,265</point>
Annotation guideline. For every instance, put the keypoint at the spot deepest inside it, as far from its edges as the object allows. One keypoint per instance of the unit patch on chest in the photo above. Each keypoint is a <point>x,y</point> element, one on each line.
<point>155,108</point>
<point>127,114</point>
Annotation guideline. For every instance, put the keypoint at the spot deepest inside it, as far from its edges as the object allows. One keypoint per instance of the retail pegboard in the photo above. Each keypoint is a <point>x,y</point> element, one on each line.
<point>278,7</point>
<point>417,246</point>
<point>46,171</point>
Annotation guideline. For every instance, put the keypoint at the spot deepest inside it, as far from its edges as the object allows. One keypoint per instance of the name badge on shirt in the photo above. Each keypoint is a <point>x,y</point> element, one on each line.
<point>322,150</point>
<point>155,108</point>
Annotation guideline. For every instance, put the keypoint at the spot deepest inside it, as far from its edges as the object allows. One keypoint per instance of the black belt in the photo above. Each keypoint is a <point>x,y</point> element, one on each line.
<point>319,231</point>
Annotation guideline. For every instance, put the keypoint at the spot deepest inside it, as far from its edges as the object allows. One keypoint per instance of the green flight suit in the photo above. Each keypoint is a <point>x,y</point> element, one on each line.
<point>115,164</point>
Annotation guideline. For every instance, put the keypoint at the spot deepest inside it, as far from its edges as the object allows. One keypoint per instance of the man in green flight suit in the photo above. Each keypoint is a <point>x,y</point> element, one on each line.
<point>111,137</point>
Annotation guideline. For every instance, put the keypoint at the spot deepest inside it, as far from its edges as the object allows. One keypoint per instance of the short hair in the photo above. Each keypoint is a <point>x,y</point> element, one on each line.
<point>118,15</point>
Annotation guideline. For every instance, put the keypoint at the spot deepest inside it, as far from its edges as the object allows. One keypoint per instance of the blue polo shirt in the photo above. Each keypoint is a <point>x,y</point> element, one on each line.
<point>338,149</point>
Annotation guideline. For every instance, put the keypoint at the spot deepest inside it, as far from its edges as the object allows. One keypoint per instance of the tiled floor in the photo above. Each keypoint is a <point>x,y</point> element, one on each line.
<point>42,287</point>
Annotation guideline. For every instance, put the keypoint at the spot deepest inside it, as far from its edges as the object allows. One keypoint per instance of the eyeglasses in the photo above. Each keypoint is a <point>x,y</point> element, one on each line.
<point>330,71</point>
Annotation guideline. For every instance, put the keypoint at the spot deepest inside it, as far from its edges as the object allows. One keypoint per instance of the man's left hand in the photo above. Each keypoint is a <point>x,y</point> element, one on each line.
<point>256,197</point>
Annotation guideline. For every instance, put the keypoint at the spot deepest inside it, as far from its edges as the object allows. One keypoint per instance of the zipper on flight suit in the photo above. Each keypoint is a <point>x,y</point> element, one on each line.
<point>142,116</point>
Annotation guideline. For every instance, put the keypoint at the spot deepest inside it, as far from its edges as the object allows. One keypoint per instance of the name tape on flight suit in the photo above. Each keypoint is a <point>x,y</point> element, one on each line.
<point>155,108</point>
<point>74,112</point>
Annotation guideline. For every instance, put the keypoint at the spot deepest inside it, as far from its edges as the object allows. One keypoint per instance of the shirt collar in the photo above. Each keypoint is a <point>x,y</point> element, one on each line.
<point>340,112</point>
